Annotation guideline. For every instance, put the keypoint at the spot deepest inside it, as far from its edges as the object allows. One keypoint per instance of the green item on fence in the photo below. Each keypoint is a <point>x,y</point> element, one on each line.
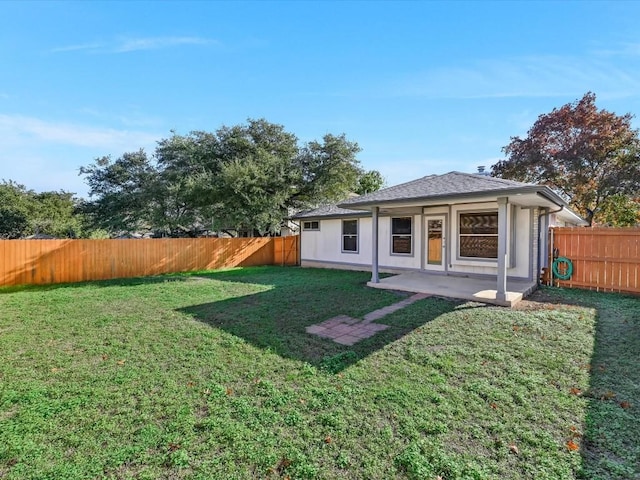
<point>562,273</point>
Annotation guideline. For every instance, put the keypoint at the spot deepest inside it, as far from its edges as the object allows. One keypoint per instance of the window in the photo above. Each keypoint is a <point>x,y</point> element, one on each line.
<point>350,235</point>
<point>401,237</point>
<point>313,225</point>
<point>478,235</point>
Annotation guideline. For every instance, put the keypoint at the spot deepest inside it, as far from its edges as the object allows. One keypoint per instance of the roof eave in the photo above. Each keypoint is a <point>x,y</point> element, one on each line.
<point>360,214</point>
<point>462,196</point>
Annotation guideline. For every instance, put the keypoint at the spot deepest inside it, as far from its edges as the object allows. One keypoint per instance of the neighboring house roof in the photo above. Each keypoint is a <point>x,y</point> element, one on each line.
<point>40,236</point>
<point>331,211</point>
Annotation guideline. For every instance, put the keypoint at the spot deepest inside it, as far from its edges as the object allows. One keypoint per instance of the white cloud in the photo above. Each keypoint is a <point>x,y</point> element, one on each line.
<point>47,155</point>
<point>38,173</point>
<point>133,117</point>
<point>82,46</point>
<point>536,76</point>
<point>125,45</point>
<point>130,45</point>
<point>623,50</point>
<point>21,128</point>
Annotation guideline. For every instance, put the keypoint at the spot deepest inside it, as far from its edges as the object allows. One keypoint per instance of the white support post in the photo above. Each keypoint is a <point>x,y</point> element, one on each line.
<point>501,290</point>
<point>375,278</point>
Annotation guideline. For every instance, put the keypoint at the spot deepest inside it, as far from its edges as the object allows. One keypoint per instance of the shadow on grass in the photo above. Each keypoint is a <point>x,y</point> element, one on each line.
<point>609,447</point>
<point>236,272</point>
<point>276,319</point>
<point>118,282</point>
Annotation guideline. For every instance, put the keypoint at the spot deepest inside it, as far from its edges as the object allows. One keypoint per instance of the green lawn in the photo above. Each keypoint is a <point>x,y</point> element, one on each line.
<point>212,376</point>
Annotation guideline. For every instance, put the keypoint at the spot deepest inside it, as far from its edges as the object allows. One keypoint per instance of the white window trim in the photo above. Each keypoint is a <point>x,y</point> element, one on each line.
<point>343,235</point>
<point>459,235</point>
<point>412,235</point>
<point>310,229</point>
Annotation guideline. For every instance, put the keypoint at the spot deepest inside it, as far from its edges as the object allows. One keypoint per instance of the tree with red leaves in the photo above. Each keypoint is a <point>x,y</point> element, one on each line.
<point>591,157</point>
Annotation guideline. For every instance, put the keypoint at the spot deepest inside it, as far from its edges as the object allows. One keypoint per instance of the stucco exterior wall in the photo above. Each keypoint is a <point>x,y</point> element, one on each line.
<point>404,261</point>
<point>324,247</point>
<point>326,244</point>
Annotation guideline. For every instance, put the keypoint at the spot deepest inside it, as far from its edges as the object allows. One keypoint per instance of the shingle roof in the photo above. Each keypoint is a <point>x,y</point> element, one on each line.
<point>331,211</point>
<point>446,185</point>
<point>450,187</point>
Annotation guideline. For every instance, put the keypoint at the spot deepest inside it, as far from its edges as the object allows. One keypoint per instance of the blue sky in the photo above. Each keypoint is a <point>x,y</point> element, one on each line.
<point>423,87</point>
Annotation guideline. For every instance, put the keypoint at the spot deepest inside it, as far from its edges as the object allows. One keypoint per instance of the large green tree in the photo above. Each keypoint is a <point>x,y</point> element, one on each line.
<point>187,169</point>
<point>329,170</point>
<point>370,181</point>
<point>15,208</point>
<point>57,214</point>
<point>256,179</point>
<point>124,192</point>
<point>590,156</point>
<point>244,178</point>
<point>24,212</point>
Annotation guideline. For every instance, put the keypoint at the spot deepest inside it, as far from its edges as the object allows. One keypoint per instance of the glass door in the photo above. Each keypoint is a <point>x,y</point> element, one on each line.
<point>435,242</point>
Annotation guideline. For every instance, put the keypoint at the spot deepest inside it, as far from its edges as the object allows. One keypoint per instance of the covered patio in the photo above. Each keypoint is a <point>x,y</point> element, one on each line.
<point>458,235</point>
<point>479,289</point>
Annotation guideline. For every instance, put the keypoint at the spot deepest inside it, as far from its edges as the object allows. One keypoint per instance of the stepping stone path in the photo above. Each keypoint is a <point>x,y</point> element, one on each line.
<point>347,331</point>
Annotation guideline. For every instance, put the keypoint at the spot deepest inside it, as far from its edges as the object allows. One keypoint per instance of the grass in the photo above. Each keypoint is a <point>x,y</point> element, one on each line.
<point>212,375</point>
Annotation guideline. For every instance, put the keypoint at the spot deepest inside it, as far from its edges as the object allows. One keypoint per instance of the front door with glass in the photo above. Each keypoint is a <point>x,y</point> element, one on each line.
<point>435,236</point>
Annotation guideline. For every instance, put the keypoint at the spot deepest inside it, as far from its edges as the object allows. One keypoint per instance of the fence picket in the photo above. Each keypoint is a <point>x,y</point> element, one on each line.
<point>606,259</point>
<point>24,262</point>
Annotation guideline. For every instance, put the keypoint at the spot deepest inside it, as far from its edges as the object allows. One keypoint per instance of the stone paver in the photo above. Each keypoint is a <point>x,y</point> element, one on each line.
<point>348,331</point>
<point>347,339</point>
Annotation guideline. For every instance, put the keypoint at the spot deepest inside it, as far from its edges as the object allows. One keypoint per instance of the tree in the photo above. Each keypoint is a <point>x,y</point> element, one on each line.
<point>187,166</point>
<point>15,207</point>
<point>56,214</point>
<point>586,155</point>
<point>248,177</point>
<point>13,224</point>
<point>124,191</point>
<point>620,211</point>
<point>370,181</point>
<point>24,212</point>
<point>329,171</point>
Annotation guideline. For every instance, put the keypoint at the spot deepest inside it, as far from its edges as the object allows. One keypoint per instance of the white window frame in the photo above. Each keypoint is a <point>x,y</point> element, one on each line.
<point>310,228</point>
<point>410,235</point>
<point>344,235</point>
<point>460,234</point>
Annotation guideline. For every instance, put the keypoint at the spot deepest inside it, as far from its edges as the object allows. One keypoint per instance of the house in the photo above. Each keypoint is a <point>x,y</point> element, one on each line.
<point>456,225</point>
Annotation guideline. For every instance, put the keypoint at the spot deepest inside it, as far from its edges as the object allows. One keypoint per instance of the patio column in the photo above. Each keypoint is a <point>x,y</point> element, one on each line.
<point>374,245</point>
<point>501,290</point>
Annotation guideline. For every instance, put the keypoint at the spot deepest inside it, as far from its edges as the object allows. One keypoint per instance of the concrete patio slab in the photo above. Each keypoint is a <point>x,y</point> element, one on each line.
<point>465,288</point>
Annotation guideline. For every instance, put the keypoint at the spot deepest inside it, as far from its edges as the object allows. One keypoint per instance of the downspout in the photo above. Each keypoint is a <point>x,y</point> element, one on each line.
<point>540,215</point>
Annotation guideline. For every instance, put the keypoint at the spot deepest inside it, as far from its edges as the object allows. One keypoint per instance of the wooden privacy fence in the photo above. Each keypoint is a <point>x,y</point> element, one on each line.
<point>33,262</point>
<point>605,259</point>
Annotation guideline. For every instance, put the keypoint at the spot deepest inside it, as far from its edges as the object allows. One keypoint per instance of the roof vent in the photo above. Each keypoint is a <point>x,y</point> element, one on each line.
<point>481,170</point>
